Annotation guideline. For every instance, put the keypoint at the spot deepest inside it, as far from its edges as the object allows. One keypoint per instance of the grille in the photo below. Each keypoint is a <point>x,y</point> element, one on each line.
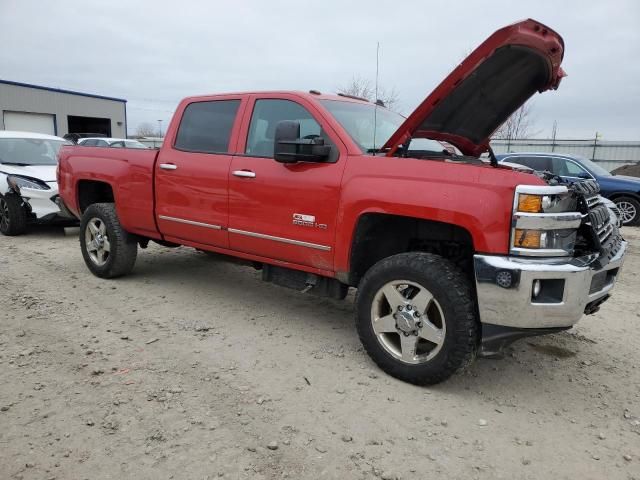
<point>600,221</point>
<point>606,238</point>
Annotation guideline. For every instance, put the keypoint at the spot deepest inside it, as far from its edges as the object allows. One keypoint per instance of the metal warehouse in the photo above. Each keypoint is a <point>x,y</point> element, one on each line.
<point>54,111</point>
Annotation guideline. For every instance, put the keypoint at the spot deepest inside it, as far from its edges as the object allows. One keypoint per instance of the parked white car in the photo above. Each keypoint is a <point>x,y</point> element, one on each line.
<point>28,186</point>
<point>110,142</point>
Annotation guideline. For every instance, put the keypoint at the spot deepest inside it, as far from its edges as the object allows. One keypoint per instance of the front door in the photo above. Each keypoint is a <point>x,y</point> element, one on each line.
<point>284,211</point>
<point>192,174</point>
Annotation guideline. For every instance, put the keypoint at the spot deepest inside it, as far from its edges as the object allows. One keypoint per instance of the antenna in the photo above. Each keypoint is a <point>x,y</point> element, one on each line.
<point>375,109</point>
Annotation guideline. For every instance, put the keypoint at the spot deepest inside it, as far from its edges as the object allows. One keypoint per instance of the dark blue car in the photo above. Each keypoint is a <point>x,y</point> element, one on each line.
<point>622,190</point>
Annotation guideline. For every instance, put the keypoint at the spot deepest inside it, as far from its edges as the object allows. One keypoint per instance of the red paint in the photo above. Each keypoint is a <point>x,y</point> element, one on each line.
<point>203,189</point>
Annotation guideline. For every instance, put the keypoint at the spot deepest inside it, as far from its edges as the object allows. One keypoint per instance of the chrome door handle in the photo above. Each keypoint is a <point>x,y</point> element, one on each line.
<point>168,166</point>
<point>244,173</point>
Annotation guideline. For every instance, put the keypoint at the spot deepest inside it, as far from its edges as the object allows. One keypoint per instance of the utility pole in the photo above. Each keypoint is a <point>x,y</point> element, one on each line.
<point>554,131</point>
<point>160,127</point>
<point>595,144</point>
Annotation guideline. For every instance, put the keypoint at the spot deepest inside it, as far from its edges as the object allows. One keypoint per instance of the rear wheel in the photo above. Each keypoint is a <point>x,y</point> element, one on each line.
<point>416,317</point>
<point>108,250</point>
<point>13,216</point>
<point>629,210</point>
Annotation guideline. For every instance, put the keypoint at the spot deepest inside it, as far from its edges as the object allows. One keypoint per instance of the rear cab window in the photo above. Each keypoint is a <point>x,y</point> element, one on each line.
<point>206,126</point>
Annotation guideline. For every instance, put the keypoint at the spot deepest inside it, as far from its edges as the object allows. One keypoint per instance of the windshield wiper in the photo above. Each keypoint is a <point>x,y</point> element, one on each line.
<point>20,164</point>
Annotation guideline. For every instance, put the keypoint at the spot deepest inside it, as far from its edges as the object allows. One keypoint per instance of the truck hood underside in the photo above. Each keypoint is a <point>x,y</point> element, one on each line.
<point>495,80</point>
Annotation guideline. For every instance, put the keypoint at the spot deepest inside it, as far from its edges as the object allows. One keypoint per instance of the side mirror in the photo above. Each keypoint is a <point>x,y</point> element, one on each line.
<point>584,175</point>
<point>290,148</point>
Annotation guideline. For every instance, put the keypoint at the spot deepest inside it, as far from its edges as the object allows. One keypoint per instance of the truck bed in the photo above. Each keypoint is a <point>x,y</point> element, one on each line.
<point>128,171</point>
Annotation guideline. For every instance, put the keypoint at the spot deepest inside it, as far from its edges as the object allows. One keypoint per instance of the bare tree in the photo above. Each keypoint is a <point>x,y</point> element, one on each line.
<point>518,125</point>
<point>145,129</point>
<point>363,88</point>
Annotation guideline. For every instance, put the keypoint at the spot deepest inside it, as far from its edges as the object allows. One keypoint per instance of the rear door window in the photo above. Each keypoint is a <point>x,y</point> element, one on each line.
<point>206,126</point>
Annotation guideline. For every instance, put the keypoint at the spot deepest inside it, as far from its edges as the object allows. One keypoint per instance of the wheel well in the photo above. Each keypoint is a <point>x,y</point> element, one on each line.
<point>633,195</point>
<point>378,236</point>
<point>91,191</point>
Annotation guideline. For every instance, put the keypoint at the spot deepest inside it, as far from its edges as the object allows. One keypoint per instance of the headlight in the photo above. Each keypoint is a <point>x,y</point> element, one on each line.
<point>545,221</point>
<point>17,182</point>
<point>564,239</point>
<point>537,203</point>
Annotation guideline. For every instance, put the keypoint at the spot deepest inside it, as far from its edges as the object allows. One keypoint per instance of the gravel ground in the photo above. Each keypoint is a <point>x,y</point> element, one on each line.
<point>193,368</point>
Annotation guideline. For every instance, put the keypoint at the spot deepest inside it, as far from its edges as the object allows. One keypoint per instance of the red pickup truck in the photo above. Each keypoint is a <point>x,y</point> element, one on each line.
<point>451,255</point>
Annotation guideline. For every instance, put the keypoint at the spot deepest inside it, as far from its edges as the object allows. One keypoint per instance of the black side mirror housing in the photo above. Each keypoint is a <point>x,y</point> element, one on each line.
<point>290,148</point>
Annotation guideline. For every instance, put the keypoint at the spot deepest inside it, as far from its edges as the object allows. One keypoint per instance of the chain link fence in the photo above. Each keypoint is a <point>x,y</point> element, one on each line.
<point>609,154</point>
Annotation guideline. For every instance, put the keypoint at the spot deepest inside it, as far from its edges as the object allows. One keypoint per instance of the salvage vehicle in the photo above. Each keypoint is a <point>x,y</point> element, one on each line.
<point>623,190</point>
<point>110,142</point>
<point>451,256</point>
<point>76,137</point>
<point>28,188</point>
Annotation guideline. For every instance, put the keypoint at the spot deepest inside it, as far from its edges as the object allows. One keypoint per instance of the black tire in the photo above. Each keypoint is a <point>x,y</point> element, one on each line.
<point>455,299</point>
<point>13,216</point>
<point>629,203</point>
<point>123,250</point>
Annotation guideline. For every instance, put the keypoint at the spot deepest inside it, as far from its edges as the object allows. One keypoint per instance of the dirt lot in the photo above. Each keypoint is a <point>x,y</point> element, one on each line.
<point>193,368</point>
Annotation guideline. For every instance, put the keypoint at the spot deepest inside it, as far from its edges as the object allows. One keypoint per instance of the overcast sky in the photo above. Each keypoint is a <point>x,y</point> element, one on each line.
<point>153,53</point>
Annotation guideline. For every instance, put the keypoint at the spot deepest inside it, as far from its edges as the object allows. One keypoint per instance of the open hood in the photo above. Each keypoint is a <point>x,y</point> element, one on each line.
<point>490,84</point>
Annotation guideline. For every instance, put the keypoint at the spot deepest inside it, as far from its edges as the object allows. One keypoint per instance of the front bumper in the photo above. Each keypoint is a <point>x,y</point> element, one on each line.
<point>45,206</point>
<point>568,289</point>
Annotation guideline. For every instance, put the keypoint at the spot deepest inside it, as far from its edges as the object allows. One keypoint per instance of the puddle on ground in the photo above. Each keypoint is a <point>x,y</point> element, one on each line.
<point>553,350</point>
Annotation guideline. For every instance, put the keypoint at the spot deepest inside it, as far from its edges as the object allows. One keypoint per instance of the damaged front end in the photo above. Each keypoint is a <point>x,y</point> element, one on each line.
<point>566,253</point>
<point>39,199</point>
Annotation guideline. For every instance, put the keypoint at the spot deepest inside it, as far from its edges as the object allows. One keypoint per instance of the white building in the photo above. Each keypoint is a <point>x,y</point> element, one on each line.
<point>54,111</point>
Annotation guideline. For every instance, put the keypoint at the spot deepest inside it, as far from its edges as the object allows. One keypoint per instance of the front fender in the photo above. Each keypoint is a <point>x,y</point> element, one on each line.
<point>476,198</point>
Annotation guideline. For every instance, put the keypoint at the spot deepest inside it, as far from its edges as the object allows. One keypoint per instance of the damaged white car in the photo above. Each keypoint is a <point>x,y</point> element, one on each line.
<point>28,187</point>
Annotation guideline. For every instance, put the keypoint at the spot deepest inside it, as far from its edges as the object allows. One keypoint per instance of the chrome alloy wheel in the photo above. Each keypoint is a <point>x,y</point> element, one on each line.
<point>627,211</point>
<point>4,214</point>
<point>408,322</point>
<point>97,241</point>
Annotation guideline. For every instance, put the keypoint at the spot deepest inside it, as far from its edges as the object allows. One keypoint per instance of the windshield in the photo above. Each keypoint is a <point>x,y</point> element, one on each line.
<point>594,167</point>
<point>29,151</point>
<point>358,120</point>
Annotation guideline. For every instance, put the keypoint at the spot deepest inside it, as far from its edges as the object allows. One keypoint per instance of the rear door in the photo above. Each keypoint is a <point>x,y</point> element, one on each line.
<point>192,172</point>
<point>284,211</point>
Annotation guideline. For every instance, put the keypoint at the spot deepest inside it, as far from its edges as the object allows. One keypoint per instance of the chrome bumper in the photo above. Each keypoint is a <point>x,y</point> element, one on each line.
<point>568,289</point>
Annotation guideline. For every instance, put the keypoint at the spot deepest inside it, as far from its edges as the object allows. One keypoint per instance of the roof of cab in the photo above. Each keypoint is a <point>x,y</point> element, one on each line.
<point>299,93</point>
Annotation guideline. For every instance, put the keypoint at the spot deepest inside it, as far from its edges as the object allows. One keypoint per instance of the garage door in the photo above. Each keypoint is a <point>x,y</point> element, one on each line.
<point>29,122</point>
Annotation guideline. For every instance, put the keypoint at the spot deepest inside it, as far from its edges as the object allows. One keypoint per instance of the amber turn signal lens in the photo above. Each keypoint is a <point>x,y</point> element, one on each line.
<point>530,203</point>
<point>527,238</point>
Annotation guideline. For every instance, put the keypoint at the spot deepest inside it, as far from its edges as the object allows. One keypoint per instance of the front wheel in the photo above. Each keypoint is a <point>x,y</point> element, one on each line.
<point>416,317</point>
<point>13,216</point>
<point>108,250</point>
<point>629,210</point>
